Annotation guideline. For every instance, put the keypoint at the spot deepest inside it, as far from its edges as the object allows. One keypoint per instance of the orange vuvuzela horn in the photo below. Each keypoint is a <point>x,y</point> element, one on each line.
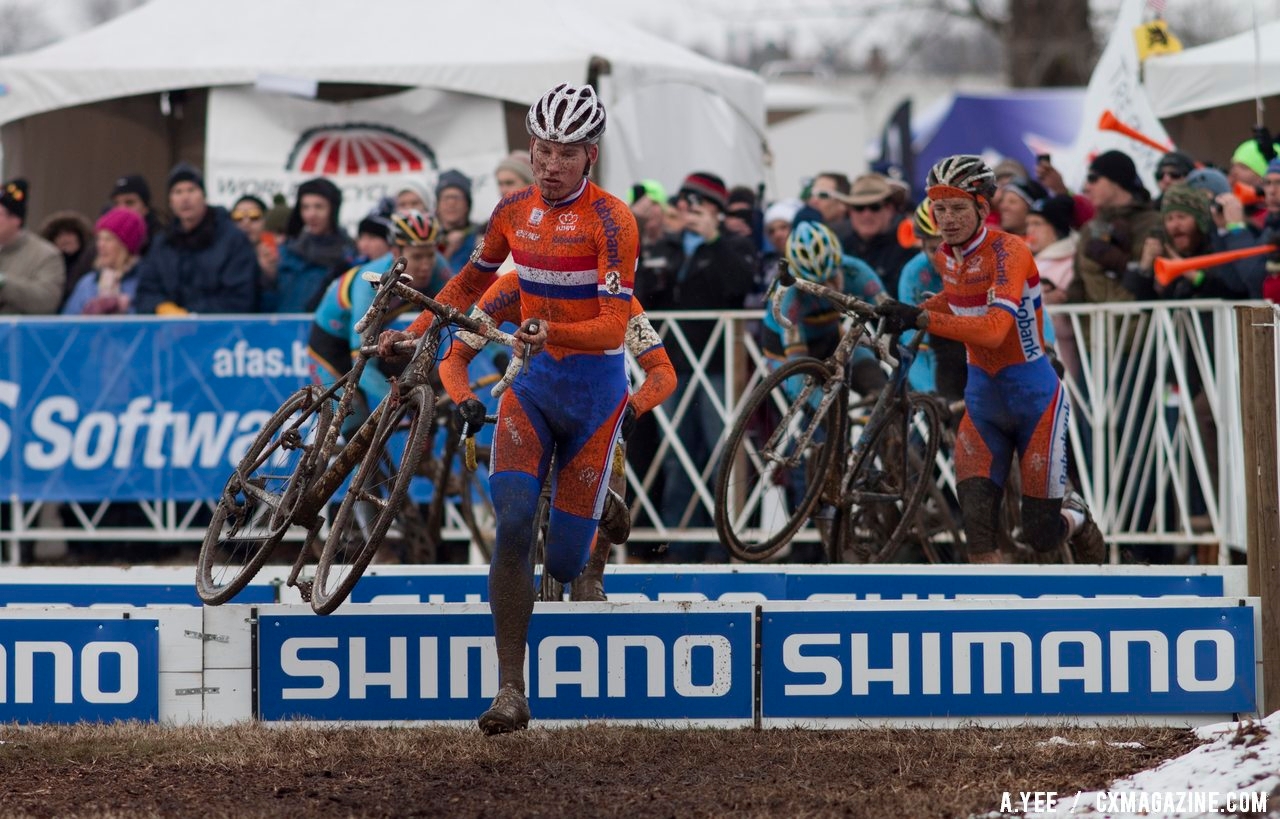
<point>907,234</point>
<point>1108,122</point>
<point>1169,269</point>
<point>1247,194</point>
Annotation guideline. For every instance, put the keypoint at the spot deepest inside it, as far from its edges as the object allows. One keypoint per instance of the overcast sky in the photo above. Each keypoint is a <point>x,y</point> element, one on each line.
<point>715,26</point>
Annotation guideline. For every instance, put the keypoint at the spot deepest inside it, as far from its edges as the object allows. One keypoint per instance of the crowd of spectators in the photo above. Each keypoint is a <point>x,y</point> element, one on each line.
<point>707,247</point>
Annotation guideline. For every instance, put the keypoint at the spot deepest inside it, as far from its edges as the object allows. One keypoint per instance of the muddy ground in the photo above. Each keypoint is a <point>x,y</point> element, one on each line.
<point>135,770</point>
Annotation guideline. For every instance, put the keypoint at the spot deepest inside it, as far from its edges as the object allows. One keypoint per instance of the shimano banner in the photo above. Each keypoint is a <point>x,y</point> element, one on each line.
<point>930,660</point>
<point>645,663</point>
<point>63,670</point>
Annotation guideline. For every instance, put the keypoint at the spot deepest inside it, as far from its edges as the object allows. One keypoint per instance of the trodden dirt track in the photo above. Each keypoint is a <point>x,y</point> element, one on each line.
<point>135,770</point>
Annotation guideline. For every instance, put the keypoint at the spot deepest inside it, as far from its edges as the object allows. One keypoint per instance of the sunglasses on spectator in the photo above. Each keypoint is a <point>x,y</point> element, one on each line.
<point>1174,175</point>
<point>874,207</point>
<point>246,214</point>
<point>824,195</point>
<point>1093,177</point>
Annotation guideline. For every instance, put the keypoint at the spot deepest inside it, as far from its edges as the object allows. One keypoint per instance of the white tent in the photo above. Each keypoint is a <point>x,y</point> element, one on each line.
<point>1215,74</point>
<point>671,110</point>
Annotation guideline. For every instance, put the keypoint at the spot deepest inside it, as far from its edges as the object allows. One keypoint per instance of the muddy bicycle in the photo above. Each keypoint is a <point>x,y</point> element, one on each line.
<point>298,461</point>
<point>798,450</point>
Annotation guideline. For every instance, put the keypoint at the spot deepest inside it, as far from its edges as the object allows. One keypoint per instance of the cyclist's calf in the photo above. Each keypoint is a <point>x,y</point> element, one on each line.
<point>1042,526</point>
<point>980,511</point>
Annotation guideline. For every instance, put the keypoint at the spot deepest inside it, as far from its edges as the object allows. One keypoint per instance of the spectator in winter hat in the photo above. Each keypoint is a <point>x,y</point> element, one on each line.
<point>1112,240</point>
<point>132,191</point>
<point>1172,168</point>
<point>72,235</point>
<point>1210,181</point>
<point>1189,231</point>
<point>453,210</point>
<point>412,196</point>
<point>1248,164</point>
<point>740,214</point>
<point>316,248</point>
<point>1016,198</point>
<point>201,263</point>
<point>703,267</point>
<point>32,272</point>
<point>514,172</point>
<point>1054,246</point>
<point>112,285</point>
<point>374,238</point>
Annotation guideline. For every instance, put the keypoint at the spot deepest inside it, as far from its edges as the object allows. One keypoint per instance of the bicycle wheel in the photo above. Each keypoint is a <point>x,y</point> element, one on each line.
<point>779,453</point>
<point>881,496</point>
<point>258,501</point>
<point>373,500</point>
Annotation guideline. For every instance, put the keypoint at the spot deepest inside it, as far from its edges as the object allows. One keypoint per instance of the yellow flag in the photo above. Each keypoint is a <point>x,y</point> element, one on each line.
<point>1154,37</point>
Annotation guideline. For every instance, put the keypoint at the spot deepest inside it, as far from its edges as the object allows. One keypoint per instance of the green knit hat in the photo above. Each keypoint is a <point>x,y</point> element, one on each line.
<point>1250,155</point>
<point>1185,199</point>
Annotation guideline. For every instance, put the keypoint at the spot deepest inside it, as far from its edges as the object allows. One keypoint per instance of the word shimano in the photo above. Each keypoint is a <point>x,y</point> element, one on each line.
<point>835,662</point>
<point>696,665</point>
<point>28,664</point>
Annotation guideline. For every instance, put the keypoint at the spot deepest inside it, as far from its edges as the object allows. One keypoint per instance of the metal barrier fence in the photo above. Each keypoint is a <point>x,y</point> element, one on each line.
<point>1155,433</point>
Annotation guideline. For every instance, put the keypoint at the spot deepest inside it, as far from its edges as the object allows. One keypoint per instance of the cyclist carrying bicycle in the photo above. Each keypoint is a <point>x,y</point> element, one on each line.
<point>574,246</point>
<point>1014,400</point>
<point>501,303</point>
<point>334,341</point>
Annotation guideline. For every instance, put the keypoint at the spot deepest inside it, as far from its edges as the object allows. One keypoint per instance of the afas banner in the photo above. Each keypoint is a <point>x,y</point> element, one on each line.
<point>262,144</point>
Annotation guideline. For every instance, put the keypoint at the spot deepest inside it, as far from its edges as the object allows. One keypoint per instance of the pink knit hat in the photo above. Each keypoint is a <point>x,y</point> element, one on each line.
<point>127,226</point>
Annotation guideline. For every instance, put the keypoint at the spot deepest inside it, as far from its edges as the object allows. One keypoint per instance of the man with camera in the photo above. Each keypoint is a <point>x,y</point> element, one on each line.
<point>701,268</point>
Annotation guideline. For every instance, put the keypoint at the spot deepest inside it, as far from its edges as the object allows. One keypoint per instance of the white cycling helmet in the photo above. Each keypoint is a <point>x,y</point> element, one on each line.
<point>963,172</point>
<point>568,114</point>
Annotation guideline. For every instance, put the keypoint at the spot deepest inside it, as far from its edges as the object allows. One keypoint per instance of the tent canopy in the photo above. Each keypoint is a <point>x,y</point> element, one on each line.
<point>500,48</point>
<point>670,110</point>
<point>1215,74</point>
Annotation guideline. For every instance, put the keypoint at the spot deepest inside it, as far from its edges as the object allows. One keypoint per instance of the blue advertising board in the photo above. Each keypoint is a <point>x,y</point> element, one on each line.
<point>923,660</point>
<point>120,594</point>
<point>143,408</point>
<point>76,670</point>
<point>760,583</point>
<point>645,663</point>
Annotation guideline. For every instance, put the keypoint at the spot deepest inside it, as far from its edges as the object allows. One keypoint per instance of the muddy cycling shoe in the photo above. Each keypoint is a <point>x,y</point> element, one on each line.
<point>615,521</point>
<point>587,589</point>
<point>508,712</point>
<point>1087,544</point>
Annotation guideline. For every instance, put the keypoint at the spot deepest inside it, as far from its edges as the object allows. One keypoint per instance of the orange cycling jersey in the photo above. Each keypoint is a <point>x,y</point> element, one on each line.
<point>576,262</point>
<point>501,303</point>
<point>995,270</point>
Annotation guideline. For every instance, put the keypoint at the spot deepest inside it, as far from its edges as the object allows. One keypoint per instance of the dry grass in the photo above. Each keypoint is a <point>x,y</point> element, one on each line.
<point>136,770</point>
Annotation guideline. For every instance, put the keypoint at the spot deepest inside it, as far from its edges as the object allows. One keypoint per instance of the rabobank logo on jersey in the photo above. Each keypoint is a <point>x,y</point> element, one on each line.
<point>689,664</point>
<point>988,660</point>
<point>60,670</point>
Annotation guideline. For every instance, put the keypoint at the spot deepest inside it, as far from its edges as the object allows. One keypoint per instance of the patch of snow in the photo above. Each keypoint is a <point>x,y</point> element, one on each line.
<point>1066,742</point>
<point>1239,758</point>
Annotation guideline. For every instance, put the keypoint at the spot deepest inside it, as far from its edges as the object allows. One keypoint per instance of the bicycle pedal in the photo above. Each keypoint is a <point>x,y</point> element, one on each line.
<point>304,590</point>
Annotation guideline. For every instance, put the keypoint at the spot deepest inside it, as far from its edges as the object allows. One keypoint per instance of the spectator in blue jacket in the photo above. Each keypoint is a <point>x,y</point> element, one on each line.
<point>202,263</point>
<point>316,248</point>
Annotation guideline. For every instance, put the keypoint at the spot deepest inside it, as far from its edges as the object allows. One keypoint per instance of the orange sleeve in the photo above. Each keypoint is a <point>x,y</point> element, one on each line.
<point>477,275</point>
<point>646,345</point>
<point>659,380</point>
<point>501,302</point>
<point>617,247</point>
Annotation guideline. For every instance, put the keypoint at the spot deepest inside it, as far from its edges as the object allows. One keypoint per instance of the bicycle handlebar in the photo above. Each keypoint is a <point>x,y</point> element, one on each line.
<point>454,316</point>
<point>377,306</point>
